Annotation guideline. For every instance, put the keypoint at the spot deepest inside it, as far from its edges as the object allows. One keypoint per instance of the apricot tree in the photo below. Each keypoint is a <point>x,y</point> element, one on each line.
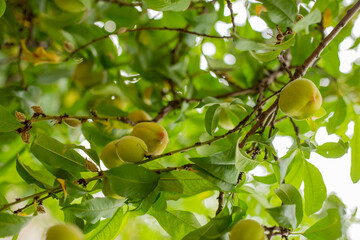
<point>193,87</point>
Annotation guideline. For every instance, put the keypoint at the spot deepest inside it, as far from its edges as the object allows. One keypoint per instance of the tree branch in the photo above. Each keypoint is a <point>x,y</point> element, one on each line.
<point>36,196</point>
<point>220,203</point>
<point>235,129</point>
<point>301,70</point>
<point>83,118</point>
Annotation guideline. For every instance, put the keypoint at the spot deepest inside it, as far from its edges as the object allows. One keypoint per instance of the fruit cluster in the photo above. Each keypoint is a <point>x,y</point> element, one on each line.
<point>146,138</point>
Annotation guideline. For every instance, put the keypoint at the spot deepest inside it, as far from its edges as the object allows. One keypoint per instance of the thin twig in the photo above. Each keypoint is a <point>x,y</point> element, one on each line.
<point>263,117</point>
<point>277,230</point>
<point>124,30</point>
<point>220,202</point>
<point>169,169</point>
<point>284,64</point>
<point>301,70</point>
<point>229,4</point>
<point>83,118</point>
<point>121,3</point>
<point>50,190</point>
<point>296,128</point>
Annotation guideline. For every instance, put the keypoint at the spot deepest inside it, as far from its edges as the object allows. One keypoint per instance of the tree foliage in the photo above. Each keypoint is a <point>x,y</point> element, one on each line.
<point>72,72</point>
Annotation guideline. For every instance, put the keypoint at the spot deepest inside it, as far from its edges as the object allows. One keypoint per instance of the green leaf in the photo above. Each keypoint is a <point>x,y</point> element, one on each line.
<point>284,45</point>
<point>243,44</point>
<point>355,152</point>
<point>328,228</point>
<point>219,169</point>
<point>191,183</point>
<point>176,223</point>
<point>11,224</point>
<point>242,161</point>
<point>284,215</point>
<point>123,16</point>
<point>314,189</point>
<point>109,228</point>
<point>90,152</point>
<point>208,101</point>
<point>333,149</point>
<point>267,56</point>
<point>311,18</point>
<point>268,179</point>
<point>75,191</point>
<point>2,7</point>
<point>290,195</point>
<point>282,12</point>
<point>214,229</point>
<point>212,118</point>
<point>295,172</point>
<point>3,200</point>
<point>173,5</point>
<point>338,117</point>
<point>285,161</point>
<point>8,121</point>
<point>169,184</point>
<point>94,209</point>
<point>42,178</point>
<point>132,181</point>
<point>56,158</point>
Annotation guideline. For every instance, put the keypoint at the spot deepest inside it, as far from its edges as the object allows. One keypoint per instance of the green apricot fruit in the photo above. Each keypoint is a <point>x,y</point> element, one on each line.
<point>64,232</point>
<point>73,6</point>
<point>247,229</point>
<point>139,116</point>
<point>125,149</point>
<point>72,122</point>
<point>300,99</point>
<point>153,134</point>
<point>109,155</point>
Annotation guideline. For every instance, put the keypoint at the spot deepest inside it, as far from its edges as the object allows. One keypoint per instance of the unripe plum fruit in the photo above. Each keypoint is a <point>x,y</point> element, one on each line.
<point>247,229</point>
<point>153,134</point>
<point>109,156</point>
<point>64,232</point>
<point>126,149</point>
<point>300,99</point>
<point>139,116</point>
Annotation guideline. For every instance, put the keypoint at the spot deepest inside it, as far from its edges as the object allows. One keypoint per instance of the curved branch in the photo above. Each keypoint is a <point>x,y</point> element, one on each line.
<point>301,70</point>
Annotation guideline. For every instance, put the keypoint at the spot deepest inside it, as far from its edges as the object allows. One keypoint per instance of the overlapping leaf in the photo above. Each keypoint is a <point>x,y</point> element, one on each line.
<point>132,181</point>
<point>218,169</point>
